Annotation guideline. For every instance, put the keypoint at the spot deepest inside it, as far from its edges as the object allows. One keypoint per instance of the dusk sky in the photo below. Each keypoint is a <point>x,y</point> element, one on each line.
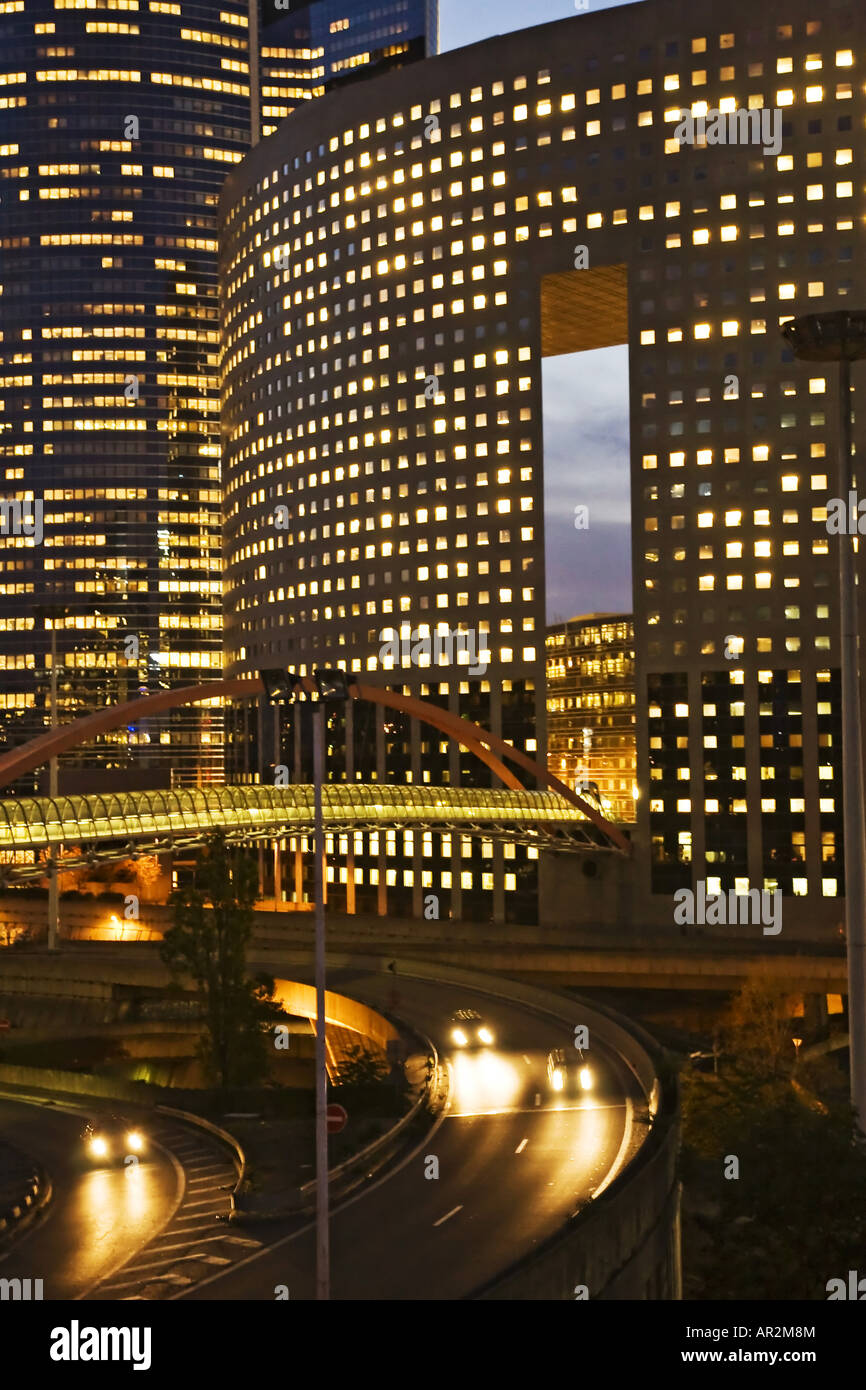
<point>585,401</point>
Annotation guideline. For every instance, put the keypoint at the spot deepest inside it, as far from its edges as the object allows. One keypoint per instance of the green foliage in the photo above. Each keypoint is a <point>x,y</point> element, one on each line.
<point>794,1217</point>
<point>758,1028</point>
<point>367,1084</point>
<point>362,1066</point>
<point>213,923</point>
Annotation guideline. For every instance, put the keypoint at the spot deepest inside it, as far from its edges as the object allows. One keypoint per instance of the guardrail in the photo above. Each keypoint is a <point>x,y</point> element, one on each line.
<point>626,1244</point>
<point>20,1214</point>
<point>380,1149</point>
<point>224,1137</point>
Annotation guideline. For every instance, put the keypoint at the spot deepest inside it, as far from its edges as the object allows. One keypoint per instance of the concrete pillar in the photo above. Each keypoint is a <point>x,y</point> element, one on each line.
<point>697,786</point>
<point>350,777</point>
<point>381,859</point>
<point>299,871</point>
<point>296,778</point>
<point>454,769</point>
<point>417,857</point>
<point>752,729</point>
<point>811,783</point>
<point>498,884</point>
<point>278,877</point>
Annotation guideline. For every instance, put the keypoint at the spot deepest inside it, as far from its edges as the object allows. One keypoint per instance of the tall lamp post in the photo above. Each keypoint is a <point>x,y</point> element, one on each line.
<point>332,687</point>
<point>840,336</point>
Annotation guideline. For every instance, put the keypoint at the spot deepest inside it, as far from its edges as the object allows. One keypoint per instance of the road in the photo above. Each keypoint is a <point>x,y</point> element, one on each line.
<point>115,1231</point>
<point>96,1216</point>
<point>515,1161</point>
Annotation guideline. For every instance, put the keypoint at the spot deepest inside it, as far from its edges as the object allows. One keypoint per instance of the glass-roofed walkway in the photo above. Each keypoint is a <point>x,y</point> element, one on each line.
<point>160,820</point>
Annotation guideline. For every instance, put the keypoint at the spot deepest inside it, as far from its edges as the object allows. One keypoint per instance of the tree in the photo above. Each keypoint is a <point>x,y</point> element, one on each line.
<point>366,1082</point>
<point>794,1216</point>
<point>148,872</point>
<point>213,921</point>
<point>758,1028</point>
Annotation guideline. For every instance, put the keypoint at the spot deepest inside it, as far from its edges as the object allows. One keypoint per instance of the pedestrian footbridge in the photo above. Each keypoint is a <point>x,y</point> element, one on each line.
<point>115,825</point>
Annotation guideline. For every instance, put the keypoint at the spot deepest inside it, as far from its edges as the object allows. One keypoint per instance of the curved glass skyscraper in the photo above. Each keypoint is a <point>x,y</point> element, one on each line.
<point>118,123</point>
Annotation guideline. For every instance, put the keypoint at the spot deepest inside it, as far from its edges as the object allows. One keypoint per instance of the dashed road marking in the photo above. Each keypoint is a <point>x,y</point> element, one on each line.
<point>448,1215</point>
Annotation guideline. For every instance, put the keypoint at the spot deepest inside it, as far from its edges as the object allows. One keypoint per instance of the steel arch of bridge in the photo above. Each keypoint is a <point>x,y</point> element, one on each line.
<point>490,749</point>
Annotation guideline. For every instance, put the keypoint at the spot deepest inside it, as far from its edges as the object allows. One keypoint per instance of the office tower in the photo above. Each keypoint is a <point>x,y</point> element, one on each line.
<point>313,48</point>
<point>119,121</point>
<point>590,708</point>
<point>397,262</point>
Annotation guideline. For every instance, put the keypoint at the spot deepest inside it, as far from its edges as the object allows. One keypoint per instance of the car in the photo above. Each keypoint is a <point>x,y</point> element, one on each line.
<point>113,1139</point>
<point>560,1071</point>
<point>469,1029</point>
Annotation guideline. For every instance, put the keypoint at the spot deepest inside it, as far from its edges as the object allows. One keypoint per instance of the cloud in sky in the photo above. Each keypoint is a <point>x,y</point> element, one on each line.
<point>586,464</point>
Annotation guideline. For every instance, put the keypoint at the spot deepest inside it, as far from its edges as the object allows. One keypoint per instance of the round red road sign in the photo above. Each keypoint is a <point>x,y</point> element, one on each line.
<point>337,1117</point>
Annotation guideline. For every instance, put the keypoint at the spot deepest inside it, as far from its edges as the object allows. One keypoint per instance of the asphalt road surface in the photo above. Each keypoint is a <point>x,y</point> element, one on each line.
<point>515,1161</point>
<point>98,1214</point>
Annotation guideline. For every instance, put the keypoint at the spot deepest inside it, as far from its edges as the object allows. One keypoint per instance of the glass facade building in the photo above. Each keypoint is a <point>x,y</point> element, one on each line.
<point>396,263</point>
<point>590,708</point>
<point>118,122</point>
<point>313,48</point>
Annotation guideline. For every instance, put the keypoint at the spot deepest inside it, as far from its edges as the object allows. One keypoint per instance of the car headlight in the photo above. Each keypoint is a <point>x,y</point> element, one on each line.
<point>557,1080</point>
<point>485,1035</point>
<point>134,1141</point>
<point>98,1146</point>
<point>459,1037</point>
<point>585,1079</point>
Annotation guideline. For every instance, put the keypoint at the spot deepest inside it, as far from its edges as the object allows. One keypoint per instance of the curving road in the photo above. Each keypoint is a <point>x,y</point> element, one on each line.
<point>515,1161</point>
<point>96,1216</point>
<point>114,1231</point>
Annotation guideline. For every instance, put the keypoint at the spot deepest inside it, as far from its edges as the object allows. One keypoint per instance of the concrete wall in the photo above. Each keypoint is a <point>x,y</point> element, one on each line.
<point>611,898</point>
<point>76,1083</point>
<point>577,892</point>
<point>360,1018</point>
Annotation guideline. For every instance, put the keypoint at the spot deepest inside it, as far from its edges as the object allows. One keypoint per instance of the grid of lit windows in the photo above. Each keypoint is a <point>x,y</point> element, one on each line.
<point>590,709</point>
<point>108,366</point>
<point>372,265</point>
<point>320,46</point>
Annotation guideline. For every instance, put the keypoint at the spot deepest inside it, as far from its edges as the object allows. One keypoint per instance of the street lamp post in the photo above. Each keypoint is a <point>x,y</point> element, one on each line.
<point>841,337</point>
<point>323,1256</point>
<point>332,687</point>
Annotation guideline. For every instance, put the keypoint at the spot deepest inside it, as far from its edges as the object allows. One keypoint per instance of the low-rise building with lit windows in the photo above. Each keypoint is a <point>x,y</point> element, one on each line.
<point>398,259</point>
<point>590,709</point>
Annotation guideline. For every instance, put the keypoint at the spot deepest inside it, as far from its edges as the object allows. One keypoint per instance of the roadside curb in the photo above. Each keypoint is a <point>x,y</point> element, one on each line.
<point>218,1133</point>
<point>22,1212</point>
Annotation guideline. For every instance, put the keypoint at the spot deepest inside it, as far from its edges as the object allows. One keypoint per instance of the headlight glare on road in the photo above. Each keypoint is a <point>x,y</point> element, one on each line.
<point>485,1035</point>
<point>585,1079</point>
<point>135,1141</point>
<point>98,1146</point>
<point>459,1037</point>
